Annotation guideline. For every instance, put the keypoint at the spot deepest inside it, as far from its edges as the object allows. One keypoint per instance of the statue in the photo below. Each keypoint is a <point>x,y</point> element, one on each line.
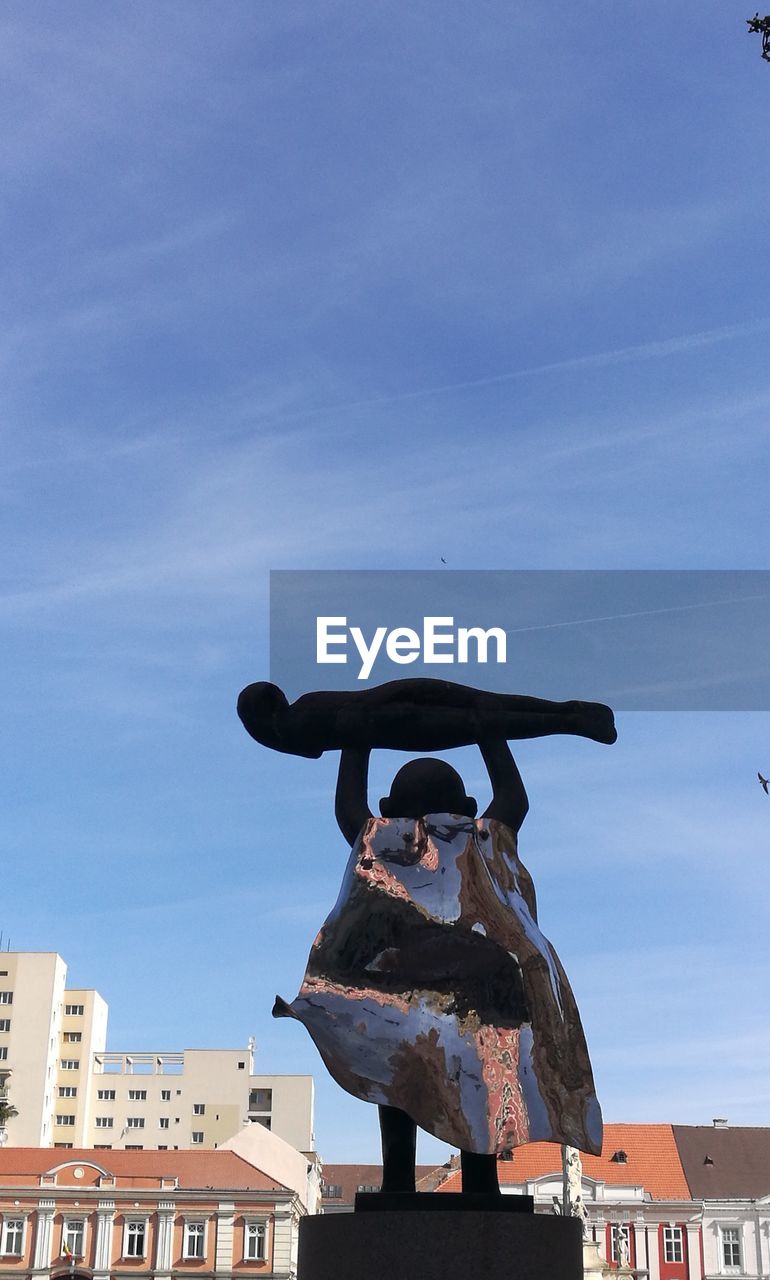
<point>430,989</point>
<point>572,1204</point>
<point>761,26</point>
<point>410,715</point>
<point>622,1247</point>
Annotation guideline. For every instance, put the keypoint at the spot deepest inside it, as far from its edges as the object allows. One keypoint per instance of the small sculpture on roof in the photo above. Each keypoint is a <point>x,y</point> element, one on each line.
<point>761,26</point>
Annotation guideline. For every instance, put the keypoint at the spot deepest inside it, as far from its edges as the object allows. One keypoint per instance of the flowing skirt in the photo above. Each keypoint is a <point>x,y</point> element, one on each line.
<point>431,988</point>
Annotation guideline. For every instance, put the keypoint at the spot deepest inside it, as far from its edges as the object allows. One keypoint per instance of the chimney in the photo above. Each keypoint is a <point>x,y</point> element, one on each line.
<point>719,1123</point>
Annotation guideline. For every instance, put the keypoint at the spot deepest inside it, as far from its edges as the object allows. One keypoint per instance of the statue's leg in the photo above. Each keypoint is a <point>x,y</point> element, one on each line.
<point>399,1147</point>
<point>479,1173</point>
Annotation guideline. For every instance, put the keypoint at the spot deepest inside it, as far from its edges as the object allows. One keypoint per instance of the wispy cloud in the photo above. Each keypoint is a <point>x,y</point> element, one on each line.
<point>652,350</point>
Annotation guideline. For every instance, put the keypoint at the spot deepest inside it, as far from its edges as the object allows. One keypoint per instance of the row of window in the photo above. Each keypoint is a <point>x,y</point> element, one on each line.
<point>673,1243</point>
<point>109,1095</point>
<point>621,1247</point>
<point>333,1191</point>
<point>140,1095</point>
<point>135,1239</point>
<point>107,1146</point>
<point>67,1120</point>
<point>72,1010</point>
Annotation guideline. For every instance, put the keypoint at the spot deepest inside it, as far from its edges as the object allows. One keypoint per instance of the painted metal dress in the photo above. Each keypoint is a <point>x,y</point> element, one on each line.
<point>431,988</point>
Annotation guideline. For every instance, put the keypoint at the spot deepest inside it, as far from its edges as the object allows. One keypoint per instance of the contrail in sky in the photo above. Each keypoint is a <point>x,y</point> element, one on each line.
<point>619,355</point>
<point>600,359</point>
<point>636,613</point>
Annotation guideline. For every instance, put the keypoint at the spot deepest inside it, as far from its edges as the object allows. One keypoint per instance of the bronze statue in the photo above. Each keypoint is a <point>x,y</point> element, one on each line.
<point>430,989</point>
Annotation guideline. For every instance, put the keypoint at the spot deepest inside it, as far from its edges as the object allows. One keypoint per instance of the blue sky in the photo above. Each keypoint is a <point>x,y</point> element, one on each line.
<point>330,285</point>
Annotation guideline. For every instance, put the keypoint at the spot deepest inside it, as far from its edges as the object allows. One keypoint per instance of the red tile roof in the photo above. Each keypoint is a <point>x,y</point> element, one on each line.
<point>352,1176</point>
<point>653,1162</point>
<point>198,1170</point>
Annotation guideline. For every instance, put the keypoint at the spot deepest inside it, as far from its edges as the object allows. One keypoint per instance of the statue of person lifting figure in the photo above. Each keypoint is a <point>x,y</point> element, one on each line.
<point>430,989</point>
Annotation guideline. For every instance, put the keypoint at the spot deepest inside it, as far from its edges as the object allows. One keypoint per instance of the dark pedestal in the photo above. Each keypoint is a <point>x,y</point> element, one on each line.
<point>440,1244</point>
<point>428,1202</point>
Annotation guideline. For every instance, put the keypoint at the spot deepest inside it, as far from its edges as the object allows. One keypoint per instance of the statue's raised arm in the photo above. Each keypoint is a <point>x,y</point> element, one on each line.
<point>411,715</point>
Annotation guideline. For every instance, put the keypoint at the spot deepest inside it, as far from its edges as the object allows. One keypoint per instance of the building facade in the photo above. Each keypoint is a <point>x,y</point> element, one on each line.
<point>69,1091</point>
<point>728,1172</point>
<point>85,1215</point>
<point>342,1182</point>
<point>690,1202</point>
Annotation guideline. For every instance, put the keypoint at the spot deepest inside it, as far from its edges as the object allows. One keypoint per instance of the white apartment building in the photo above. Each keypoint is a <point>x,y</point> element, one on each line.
<point>70,1091</point>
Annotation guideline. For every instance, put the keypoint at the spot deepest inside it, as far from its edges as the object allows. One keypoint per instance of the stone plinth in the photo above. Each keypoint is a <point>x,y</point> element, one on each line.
<point>594,1265</point>
<point>440,1244</point>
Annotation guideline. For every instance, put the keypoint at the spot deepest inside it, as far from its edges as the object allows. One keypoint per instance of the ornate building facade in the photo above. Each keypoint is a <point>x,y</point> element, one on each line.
<point>111,1215</point>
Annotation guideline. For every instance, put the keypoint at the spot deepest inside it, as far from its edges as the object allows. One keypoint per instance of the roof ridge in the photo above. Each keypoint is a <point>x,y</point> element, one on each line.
<point>281,1186</point>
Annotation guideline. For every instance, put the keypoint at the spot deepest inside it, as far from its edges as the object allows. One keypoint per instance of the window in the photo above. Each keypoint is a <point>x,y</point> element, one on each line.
<point>70,1064</point>
<point>66,1145</point>
<point>5,1024</point>
<point>162,1148</point>
<point>731,1247</point>
<point>332,1192</point>
<point>260,1099</point>
<point>66,1120</point>
<point>368,1186</point>
<point>13,1237</point>
<point>199,1109</point>
<point>105,1095</point>
<point>163,1123</point>
<point>134,1236</point>
<point>165,1095</point>
<point>74,1010</point>
<point>72,1037</point>
<point>68,1091</point>
<point>132,1146</point>
<point>194,1239</point>
<point>621,1243</point>
<point>265,1121</point>
<point>102,1146</point>
<point>672,1244</point>
<point>135,1122</point>
<point>4,1053</point>
<point>197,1137</point>
<point>6,997</point>
<point>103,1122</point>
<point>72,1237</point>
<point>254,1242</point>
<point>137,1095</point>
